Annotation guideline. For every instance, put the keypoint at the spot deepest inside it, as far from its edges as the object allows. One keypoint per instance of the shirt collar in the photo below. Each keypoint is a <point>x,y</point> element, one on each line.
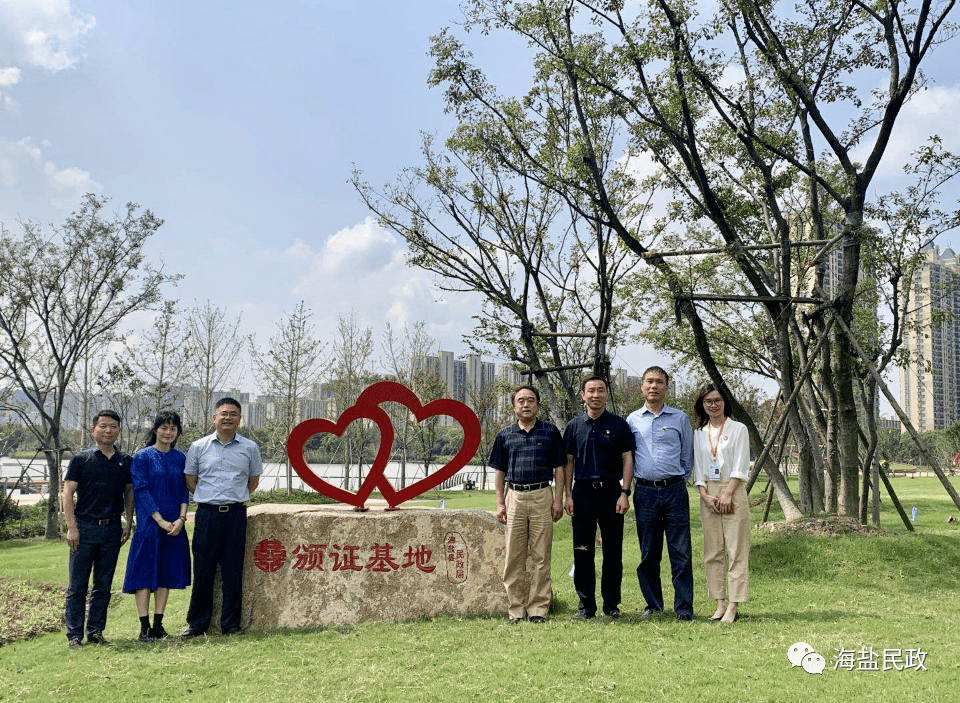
<point>536,424</point>
<point>115,455</point>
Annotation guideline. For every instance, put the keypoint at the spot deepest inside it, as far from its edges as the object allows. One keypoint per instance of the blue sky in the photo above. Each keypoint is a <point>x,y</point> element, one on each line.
<point>239,124</point>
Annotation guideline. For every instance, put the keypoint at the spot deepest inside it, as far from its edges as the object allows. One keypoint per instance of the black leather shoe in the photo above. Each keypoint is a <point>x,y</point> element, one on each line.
<point>538,619</point>
<point>158,633</point>
<point>649,612</point>
<point>75,643</point>
<point>147,636</point>
<point>232,631</point>
<point>613,614</point>
<point>98,638</point>
<point>190,632</point>
<point>585,615</point>
<point>686,617</point>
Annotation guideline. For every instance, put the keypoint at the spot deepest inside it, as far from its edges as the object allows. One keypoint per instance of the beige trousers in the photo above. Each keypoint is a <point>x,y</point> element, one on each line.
<point>727,537</point>
<point>529,532</point>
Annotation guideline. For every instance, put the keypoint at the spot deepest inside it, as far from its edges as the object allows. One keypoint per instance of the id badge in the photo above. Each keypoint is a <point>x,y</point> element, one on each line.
<point>714,470</point>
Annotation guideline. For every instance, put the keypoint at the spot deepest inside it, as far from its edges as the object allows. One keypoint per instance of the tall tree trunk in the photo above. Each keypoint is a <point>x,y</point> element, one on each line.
<point>52,454</point>
<point>848,431</point>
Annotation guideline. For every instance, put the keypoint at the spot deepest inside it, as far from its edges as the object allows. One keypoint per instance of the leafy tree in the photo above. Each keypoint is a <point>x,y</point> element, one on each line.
<point>89,374</point>
<point>486,400</point>
<point>289,373</point>
<point>351,370</point>
<point>407,355</point>
<point>60,293</point>
<point>160,356</point>
<point>751,114</point>
<point>213,345</point>
<point>542,268</point>
<point>123,390</point>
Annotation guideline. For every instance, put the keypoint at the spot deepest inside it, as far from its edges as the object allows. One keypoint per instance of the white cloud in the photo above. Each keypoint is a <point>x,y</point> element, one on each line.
<point>9,76</point>
<point>69,184</point>
<point>36,183</point>
<point>933,110</point>
<point>638,165</point>
<point>42,33</point>
<point>366,246</point>
<point>363,268</point>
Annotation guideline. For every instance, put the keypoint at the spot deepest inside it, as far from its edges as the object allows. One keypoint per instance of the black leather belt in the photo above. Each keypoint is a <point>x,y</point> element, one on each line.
<point>660,483</point>
<point>102,521</point>
<point>598,483</point>
<point>528,486</point>
<point>226,508</point>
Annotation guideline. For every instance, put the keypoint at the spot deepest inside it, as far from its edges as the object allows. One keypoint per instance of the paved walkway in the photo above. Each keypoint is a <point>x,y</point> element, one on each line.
<point>26,499</point>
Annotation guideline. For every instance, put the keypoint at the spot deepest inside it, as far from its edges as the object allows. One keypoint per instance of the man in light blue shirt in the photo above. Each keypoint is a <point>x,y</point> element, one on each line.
<point>662,463</point>
<point>222,470</point>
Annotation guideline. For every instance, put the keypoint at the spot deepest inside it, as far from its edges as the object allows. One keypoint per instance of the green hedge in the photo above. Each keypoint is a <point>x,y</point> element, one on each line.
<point>18,522</point>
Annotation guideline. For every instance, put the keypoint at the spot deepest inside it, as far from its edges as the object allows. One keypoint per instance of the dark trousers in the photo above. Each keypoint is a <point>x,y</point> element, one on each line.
<point>219,539</point>
<point>97,551</point>
<point>664,512</point>
<point>595,505</point>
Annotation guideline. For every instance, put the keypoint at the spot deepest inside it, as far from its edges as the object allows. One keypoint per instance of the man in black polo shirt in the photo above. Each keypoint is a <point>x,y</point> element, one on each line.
<point>600,449</point>
<point>100,478</point>
<point>527,455</point>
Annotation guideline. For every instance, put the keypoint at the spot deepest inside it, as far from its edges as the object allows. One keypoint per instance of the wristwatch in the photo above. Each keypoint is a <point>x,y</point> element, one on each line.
<point>625,491</point>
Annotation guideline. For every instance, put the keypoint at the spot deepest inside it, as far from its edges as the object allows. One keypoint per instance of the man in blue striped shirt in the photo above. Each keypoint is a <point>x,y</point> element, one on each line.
<point>526,456</point>
<point>222,470</point>
<point>662,464</point>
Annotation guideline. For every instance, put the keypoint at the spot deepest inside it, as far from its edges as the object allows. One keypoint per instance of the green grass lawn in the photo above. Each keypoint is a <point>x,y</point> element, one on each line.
<point>853,592</point>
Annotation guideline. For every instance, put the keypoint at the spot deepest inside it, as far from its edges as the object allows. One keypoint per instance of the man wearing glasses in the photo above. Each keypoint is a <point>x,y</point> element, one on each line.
<point>662,463</point>
<point>222,470</point>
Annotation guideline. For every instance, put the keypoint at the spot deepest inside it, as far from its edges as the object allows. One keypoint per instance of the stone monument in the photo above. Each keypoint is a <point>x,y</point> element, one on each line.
<point>315,566</point>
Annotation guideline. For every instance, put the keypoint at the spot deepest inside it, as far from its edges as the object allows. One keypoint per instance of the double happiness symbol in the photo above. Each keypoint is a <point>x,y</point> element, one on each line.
<point>368,407</point>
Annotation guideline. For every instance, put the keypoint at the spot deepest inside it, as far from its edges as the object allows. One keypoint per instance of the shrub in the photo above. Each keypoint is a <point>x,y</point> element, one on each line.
<point>18,522</point>
<point>280,495</point>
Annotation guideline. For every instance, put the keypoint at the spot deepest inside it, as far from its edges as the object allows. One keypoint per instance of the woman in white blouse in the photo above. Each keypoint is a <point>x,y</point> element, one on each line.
<point>721,467</point>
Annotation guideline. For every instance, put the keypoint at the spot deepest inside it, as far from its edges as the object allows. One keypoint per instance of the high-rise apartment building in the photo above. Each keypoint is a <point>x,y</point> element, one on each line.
<point>454,374</point>
<point>930,385</point>
<point>457,376</point>
<point>479,373</point>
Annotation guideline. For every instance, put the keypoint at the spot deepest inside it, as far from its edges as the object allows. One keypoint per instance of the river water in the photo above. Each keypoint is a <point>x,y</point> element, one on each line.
<point>274,475</point>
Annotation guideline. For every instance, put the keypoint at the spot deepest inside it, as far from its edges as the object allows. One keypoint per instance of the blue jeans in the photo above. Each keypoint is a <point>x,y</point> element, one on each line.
<point>664,512</point>
<point>595,506</point>
<point>97,551</point>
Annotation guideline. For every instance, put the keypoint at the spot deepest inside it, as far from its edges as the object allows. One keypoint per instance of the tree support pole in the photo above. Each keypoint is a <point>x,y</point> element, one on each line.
<point>766,507</point>
<point>878,470</point>
<point>758,464</point>
<point>893,497</point>
<point>928,455</point>
<point>768,489</point>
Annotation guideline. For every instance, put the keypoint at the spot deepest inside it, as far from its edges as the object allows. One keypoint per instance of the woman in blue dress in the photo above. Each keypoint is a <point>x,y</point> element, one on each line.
<point>159,556</point>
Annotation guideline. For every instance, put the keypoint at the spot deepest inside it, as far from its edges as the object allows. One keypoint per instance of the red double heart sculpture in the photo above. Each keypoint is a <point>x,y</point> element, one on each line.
<point>368,407</point>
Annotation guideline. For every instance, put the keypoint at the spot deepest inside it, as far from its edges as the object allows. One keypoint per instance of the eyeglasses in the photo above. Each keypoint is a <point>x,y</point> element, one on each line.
<point>230,415</point>
<point>718,401</point>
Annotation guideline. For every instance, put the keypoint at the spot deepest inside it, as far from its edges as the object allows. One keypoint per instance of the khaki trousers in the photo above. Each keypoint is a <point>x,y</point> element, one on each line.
<point>727,537</point>
<point>529,533</point>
